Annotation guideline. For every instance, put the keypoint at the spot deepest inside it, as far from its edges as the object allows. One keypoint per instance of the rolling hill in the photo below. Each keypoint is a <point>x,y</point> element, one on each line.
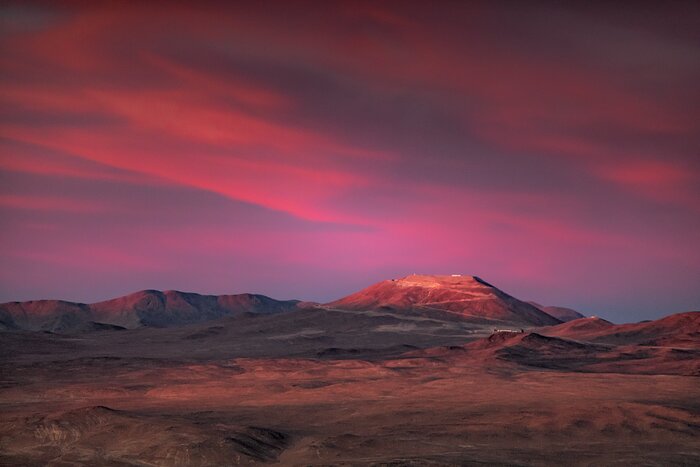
<point>677,330</point>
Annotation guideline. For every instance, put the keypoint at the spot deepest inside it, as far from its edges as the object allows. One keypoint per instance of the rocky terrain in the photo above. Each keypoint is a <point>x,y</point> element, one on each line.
<point>425,370</point>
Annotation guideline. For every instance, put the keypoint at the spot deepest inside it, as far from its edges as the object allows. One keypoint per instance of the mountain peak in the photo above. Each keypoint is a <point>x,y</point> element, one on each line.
<point>457,296</point>
<point>441,280</point>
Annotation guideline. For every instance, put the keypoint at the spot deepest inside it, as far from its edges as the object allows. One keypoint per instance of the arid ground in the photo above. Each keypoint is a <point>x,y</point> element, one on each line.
<point>320,385</point>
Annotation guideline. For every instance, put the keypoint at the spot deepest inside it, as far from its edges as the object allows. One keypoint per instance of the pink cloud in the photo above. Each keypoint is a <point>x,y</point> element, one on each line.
<point>384,136</point>
<point>46,203</point>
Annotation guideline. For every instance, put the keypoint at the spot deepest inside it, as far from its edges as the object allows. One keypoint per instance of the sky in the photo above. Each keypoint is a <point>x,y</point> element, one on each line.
<point>309,149</point>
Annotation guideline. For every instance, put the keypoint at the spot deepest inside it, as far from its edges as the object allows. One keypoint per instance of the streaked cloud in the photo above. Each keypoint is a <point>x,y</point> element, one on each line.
<point>340,142</point>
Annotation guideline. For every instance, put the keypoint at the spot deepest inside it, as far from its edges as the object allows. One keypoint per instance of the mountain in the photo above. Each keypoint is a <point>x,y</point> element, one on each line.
<point>559,312</point>
<point>465,299</point>
<point>585,329</point>
<point>677,330</point>
<point>456,296</point>
<point>146,308</point>
<point>43,315</point>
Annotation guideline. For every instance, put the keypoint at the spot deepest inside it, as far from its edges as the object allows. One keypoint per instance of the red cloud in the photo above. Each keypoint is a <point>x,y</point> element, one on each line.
<point>49,203</point>
<point>469,134</point>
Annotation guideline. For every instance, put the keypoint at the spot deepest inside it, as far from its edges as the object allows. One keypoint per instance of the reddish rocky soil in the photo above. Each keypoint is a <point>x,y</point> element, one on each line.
<point>333,385</point>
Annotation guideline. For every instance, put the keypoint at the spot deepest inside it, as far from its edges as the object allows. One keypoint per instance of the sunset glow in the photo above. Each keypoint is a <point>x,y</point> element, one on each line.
<point>306,150</point>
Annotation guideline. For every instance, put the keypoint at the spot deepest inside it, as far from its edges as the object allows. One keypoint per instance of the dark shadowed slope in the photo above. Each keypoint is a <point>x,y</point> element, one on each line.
<point>559,312</point>
<point>99,435</point>
<point>531,349</point>
<point>145,308</point>
<point>461,297</point>
<point>44,315</point>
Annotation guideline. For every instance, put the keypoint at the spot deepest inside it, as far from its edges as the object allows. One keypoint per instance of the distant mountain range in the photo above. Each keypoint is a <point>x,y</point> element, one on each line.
<point>146,308</point>
<point>443,298</point>
<point>439,316</point>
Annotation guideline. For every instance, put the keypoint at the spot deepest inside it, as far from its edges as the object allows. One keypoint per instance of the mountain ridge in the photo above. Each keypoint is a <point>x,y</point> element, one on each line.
<point>560,312</point>
<point>143,308</point>
<point>448,298</point>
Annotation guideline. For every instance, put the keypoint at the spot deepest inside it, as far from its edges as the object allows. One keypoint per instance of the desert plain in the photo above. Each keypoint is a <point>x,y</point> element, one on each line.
<point>424,370</point>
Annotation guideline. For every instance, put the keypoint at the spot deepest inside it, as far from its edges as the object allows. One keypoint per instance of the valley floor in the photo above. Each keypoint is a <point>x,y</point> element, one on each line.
<point>402,411</point>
